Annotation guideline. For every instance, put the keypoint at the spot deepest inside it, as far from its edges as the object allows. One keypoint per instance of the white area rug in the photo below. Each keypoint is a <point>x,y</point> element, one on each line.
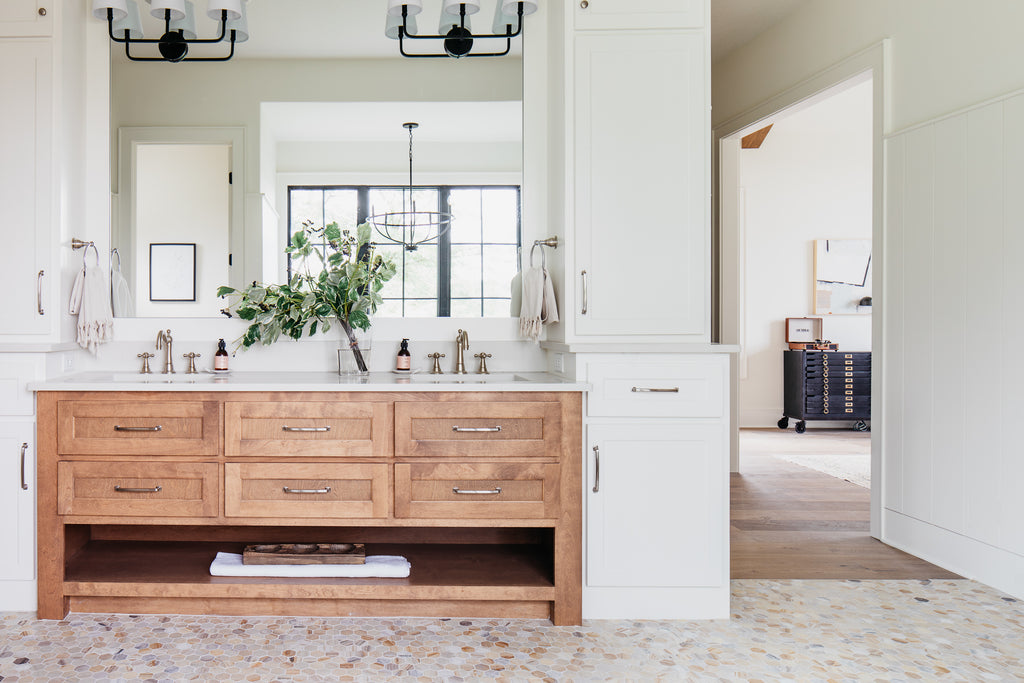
<point>855,469</point>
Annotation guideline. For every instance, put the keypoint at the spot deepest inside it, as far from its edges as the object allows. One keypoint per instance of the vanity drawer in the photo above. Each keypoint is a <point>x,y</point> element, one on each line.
<point>658,387</point>
<point>138,427</point>
<point>506,490</point>
<point>335,429</point>
<point>137,489</point>
<point>485,429</point>
<point>306,490</point>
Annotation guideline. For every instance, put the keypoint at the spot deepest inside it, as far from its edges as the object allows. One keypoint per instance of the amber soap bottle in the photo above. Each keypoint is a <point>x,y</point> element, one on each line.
<point>403,362</point>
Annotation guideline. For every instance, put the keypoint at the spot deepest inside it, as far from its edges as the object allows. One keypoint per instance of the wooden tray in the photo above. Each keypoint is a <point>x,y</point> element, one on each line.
<point>304,553</point>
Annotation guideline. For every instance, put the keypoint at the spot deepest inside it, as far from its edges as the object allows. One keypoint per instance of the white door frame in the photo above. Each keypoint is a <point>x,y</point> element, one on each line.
<point>874,59</point>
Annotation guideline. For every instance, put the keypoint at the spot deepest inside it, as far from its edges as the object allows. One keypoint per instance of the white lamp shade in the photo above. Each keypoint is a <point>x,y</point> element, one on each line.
<point>449,20</point>
<point>176,7</point>
<point>452,7</point>
<point>214,9</point>
<point>131,24</point>
<point>395,22</point>
<point>187,24</point>
<point>100,7</point>
<point>240,26</point>
<point>511,7</point>
<point>395,7</point>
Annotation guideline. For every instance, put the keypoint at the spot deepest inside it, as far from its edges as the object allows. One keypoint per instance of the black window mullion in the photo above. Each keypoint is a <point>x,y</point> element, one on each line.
<point>444,259</point>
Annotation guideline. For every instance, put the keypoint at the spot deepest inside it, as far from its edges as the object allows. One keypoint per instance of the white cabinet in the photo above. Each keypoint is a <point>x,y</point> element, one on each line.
<point>17,508</point>
<point>639,135</point>
<point>26,17</point>
<point>26,114</point>
<point>654,500</point>
<point>624,14</point>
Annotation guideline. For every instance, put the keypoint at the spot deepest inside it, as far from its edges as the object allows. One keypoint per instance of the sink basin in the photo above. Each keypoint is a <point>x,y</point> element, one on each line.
<point>494,378</point>
<point>158,378</point>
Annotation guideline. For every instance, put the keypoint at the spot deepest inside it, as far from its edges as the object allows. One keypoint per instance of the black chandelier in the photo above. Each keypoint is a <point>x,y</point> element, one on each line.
<point>124,26</point>
<point>454,28</point>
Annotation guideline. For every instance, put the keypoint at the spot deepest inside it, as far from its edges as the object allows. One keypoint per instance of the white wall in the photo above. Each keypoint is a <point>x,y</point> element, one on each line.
<point>951,457</point>
<point>810,179</point>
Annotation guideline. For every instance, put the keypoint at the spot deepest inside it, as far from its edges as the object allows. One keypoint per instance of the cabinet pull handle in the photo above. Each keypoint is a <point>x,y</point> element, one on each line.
<point>655,390</point>
<point>597,469</point>
<point>155,489</point>
<point>456,428</point>
<point>39,292</point>
<point>491,492</point>
<point>326,489</point>
<point>157,428</point>
<point>286,428</point>
<point>24,484</point>
<point>583,310</point>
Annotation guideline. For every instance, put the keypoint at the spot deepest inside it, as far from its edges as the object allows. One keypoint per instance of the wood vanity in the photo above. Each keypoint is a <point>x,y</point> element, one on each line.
<point>480,490</point>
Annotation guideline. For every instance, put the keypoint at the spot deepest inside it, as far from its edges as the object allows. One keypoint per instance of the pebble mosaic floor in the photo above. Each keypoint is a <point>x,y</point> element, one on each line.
<point>779,630</point>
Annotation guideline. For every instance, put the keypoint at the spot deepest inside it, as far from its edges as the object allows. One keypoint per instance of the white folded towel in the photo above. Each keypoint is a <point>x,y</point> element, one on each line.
<point>538,307</point>
<point>386,566</point>
<point>90,301</point>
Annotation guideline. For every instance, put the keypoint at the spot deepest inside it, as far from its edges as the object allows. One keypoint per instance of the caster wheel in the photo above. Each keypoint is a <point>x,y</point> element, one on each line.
<point>783,423</point>
<point>860,426</point>
<point>801,427</point>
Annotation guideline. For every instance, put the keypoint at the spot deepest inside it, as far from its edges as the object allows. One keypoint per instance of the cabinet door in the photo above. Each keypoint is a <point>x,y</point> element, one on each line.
<point>640,173</point>
<point>17,501</point>
<point>659,515</point>
<point>620,14</point>
<point>25,130</point>
<point>26,17</point>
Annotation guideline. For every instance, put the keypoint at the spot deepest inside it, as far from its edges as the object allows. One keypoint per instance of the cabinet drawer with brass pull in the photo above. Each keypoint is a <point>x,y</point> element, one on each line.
<point>143,489</point>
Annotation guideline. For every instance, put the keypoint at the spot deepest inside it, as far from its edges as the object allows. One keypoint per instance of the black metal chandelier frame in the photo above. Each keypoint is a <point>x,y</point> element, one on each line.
<point>458,42</point>
<point>173,44</point>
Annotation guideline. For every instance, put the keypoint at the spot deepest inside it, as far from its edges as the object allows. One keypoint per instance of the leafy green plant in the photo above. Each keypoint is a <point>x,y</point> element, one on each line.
<point>344,288</point>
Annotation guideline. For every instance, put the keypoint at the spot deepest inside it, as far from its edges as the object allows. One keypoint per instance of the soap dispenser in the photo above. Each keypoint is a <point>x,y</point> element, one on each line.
<point>220,359</point>
<point>403,362</point>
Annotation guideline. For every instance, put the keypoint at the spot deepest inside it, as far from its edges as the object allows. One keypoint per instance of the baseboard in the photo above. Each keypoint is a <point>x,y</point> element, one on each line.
<point>17,596</point>
<point>656,603</point>
<point>972,559</point>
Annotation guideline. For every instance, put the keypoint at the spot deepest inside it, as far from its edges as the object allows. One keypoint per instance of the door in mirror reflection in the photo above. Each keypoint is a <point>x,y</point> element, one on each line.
<point>468,273</point>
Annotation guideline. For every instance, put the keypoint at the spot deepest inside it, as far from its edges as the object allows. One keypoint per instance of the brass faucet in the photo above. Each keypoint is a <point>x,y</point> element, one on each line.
<point>163,341</point>
<point>462,344</point>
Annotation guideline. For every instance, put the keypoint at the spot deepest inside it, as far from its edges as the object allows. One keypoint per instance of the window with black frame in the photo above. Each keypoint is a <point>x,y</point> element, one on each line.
<point>466,274</point>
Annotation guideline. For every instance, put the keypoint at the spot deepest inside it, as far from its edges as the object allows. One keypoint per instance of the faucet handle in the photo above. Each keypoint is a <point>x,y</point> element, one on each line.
<point>483,363</point>
<point>191,362</point>
<point>145,362</point>
<point>436,370</point>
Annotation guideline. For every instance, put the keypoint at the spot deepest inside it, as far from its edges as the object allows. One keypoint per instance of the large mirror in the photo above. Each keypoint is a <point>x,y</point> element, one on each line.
<point>307,120</point>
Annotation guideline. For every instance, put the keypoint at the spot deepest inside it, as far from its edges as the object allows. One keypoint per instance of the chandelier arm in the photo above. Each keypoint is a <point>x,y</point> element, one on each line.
<point>128,41</point>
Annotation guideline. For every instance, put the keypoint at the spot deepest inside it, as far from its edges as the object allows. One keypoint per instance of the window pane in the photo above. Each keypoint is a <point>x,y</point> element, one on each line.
<point>340,206</point>
<point>416,308</point>
<point>497,308</point>
<point>501,268</point>
<point>391,308</point>
<point>306,205</point>
<point>393,287</point>
<point>500,215</point>
<point>465,270</point>
<point>467,308</point>
<point>396,200</point>
<point>421,272</point>
<point>465,208</point>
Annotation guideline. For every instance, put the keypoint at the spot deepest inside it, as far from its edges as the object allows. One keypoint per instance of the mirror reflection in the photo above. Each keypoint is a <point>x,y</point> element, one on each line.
<point>322,140</point>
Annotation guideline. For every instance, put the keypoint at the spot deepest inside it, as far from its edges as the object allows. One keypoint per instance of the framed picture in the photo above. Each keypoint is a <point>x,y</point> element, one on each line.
<point>172,272</point>
<point>842,277</point>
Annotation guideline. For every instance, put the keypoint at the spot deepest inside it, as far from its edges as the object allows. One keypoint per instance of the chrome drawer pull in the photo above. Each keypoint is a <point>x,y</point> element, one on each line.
<point>583,309</point>
<point>39,292</point>
<point>24,484</point>
<point>155,489</point>
<point>655,390</point>
<point>456,428</point>
<point>496,490</point>
<point>286,428</point>
<point>119,428</point>
<point>326,489</point>
<point>597,469</point>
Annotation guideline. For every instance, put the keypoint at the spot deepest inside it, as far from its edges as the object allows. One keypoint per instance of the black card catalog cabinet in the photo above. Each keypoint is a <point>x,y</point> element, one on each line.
<point>826,385</point>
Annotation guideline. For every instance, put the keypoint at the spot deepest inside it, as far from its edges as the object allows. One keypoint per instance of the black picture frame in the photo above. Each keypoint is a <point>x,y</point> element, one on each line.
<point>172,271</point>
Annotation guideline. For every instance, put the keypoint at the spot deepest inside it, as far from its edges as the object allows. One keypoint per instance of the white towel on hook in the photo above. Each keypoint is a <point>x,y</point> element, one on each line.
<point>121,295</point>
<point>90,301</point>
<point>538,306</point>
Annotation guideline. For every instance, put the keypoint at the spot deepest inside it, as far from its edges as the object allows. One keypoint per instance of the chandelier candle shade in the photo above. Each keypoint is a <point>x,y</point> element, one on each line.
<point>125,26</point>
<point>454,26</point>
<point>410,227</point>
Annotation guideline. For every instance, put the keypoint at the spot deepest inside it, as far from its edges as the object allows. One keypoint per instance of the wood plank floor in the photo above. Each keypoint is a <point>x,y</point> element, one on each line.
<point>792,522</point>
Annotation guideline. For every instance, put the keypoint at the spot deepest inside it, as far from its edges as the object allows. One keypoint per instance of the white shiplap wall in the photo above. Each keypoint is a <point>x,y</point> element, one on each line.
<point>954,335</point>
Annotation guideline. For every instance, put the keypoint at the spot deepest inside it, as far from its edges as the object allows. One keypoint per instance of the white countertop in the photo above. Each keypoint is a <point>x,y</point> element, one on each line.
<point>308,381</point>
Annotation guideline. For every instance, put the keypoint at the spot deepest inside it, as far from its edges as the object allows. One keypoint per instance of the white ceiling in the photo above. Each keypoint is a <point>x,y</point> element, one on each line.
<point>355,28</point>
